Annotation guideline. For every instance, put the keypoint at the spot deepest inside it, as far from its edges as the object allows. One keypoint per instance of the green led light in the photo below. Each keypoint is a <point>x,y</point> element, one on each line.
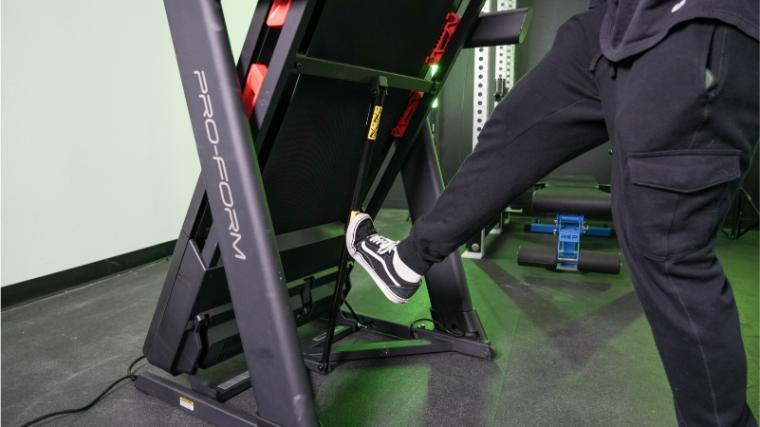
<point>433,70</point>
<point>435,103</point>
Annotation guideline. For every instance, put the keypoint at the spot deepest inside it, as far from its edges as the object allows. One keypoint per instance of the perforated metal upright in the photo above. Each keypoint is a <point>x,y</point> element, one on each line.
<point>493,77</point>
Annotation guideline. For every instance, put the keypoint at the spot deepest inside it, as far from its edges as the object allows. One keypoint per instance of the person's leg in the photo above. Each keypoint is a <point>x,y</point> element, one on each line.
<point>685,120</point>
<point>551,115</point>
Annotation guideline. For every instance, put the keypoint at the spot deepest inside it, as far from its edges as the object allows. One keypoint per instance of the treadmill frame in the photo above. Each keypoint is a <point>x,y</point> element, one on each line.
<point>245,240</point>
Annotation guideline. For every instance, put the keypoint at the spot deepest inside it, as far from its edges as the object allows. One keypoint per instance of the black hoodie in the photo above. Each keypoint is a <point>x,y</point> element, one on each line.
<point>633,26</point>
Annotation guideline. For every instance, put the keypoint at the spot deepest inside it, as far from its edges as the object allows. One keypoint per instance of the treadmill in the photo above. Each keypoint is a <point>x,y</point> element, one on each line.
<point>259,271</point>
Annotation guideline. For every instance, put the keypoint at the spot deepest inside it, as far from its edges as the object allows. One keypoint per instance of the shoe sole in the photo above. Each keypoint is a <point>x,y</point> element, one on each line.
<point>378,281</point>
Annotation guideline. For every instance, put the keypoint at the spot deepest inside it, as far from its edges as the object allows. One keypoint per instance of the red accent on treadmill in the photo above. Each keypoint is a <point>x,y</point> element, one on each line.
<point>449,27</point>
<point>452,21</point>
<point>278,13</point>
<point>411,107</point>
<point>253,83</point>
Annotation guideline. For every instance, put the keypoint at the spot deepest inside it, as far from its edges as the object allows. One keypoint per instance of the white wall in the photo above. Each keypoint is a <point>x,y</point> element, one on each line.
<point>97,151</point>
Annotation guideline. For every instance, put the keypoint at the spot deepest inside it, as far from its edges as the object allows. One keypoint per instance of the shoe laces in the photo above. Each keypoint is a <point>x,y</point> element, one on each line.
<point>384,244</point>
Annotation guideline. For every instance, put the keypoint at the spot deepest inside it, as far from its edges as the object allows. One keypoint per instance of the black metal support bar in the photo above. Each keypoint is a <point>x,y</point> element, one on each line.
<point>392,348</point>
<point>199,405</point>
<point>379,91</point>
<point>405,341</point>
<point>224,391</point>
<point>232,387</point>
<point>354,73</point>
<point>447,285</point>
<point>236,196</point>
<point>464,345</point>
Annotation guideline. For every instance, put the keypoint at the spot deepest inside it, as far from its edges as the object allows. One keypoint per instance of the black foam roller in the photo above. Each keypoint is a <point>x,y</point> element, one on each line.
<point>591,206</point>
<point>546,258</point>
<point>599,262</point>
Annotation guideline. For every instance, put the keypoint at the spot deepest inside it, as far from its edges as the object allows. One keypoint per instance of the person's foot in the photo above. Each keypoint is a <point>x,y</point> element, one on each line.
<point>377,255</point>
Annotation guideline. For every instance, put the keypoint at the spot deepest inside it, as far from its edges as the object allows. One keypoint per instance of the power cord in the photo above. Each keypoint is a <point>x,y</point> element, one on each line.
<point>130,376</point>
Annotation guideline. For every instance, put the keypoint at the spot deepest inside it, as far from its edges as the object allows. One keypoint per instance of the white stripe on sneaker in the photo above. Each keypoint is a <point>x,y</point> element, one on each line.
<point>377,257</point>
<point>380,283</point>
<point>403,270</point>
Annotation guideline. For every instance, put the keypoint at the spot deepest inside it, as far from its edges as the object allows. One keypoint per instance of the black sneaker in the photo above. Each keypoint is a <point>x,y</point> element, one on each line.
<point>377,254</point>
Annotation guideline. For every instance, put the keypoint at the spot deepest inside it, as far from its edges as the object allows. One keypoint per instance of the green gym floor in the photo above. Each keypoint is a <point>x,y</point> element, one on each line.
<point>571,350</point>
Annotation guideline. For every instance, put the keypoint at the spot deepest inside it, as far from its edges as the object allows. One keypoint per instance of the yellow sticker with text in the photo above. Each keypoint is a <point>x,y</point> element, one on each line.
<point>374,125</point>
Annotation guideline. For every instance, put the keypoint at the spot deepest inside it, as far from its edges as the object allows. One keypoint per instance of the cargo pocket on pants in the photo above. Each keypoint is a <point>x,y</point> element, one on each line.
<point>677,198</point>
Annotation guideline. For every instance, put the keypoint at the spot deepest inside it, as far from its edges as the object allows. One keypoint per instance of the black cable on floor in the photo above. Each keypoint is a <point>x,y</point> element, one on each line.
<point>132,365</point>
<point>130,376</point>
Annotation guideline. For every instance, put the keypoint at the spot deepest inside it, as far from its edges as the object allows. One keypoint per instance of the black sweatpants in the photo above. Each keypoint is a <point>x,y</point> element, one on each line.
<point>681,143</point>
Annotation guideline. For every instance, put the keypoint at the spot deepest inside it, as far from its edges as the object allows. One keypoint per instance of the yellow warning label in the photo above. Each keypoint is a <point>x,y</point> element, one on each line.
<point>186,403</point>
<point>374,125</point>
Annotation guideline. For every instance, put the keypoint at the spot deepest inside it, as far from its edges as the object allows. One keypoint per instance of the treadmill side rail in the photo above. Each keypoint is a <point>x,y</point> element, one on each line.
<point>235,192</point>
